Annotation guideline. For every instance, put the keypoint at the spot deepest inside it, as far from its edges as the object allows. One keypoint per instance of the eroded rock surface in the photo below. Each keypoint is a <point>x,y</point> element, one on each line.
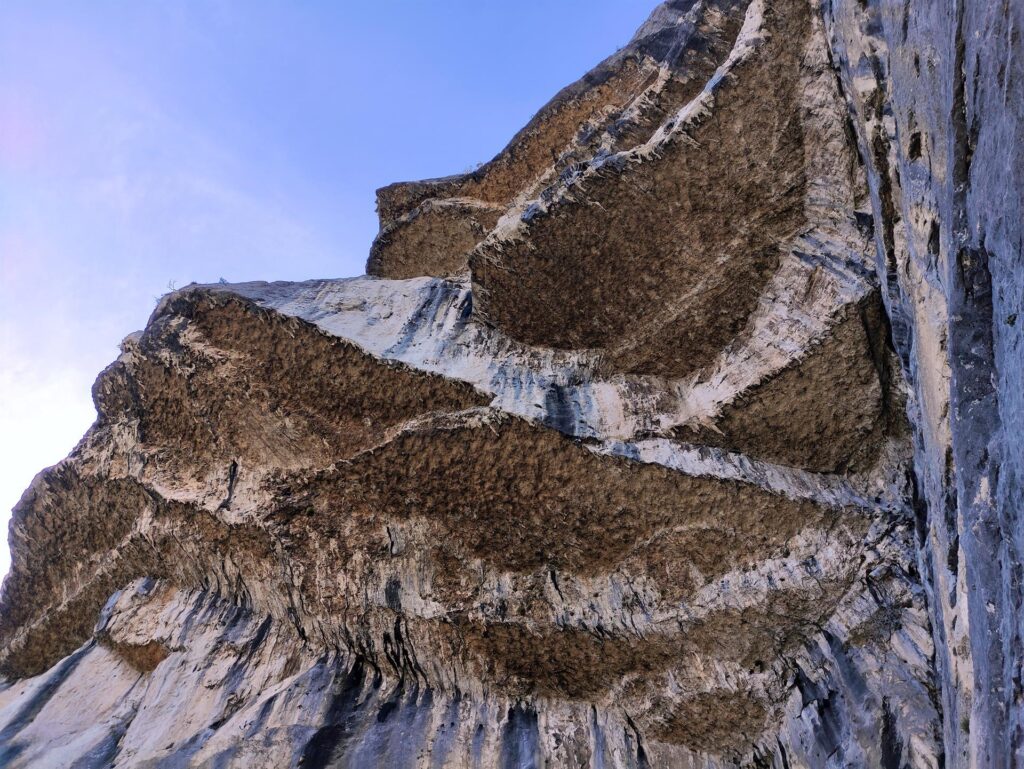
<point>606,464</point>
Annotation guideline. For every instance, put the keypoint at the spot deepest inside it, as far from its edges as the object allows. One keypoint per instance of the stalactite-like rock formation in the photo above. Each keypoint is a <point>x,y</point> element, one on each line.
<point>685,432</point>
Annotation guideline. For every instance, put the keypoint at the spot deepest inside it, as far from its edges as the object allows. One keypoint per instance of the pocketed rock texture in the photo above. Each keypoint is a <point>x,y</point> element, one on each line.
<point>684,433</point>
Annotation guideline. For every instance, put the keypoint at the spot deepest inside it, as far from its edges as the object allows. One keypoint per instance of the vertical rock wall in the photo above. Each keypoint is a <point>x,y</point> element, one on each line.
<point>936,99</point>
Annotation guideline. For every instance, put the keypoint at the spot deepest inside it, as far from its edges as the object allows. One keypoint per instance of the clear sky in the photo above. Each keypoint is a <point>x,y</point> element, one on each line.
<point>145,145</point>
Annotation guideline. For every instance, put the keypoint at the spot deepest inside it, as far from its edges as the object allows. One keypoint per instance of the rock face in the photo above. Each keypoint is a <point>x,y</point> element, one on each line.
<point>686,432</point>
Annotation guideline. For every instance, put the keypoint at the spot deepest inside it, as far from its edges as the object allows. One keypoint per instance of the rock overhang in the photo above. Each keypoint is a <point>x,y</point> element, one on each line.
<point>606,462</point>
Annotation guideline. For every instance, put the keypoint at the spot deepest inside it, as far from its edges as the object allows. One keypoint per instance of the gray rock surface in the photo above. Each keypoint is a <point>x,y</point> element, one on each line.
<point>934,90</point>
<point>683,433</point>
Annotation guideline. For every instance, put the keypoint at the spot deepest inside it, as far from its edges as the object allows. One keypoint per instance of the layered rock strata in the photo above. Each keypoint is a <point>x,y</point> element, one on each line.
<point>607,463</point>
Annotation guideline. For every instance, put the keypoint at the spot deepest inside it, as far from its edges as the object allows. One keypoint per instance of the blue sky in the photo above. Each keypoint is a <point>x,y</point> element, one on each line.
<point>145,145</point>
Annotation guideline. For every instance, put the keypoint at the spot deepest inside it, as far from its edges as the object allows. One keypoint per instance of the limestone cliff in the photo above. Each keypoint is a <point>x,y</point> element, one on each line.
<point>684,433</point>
